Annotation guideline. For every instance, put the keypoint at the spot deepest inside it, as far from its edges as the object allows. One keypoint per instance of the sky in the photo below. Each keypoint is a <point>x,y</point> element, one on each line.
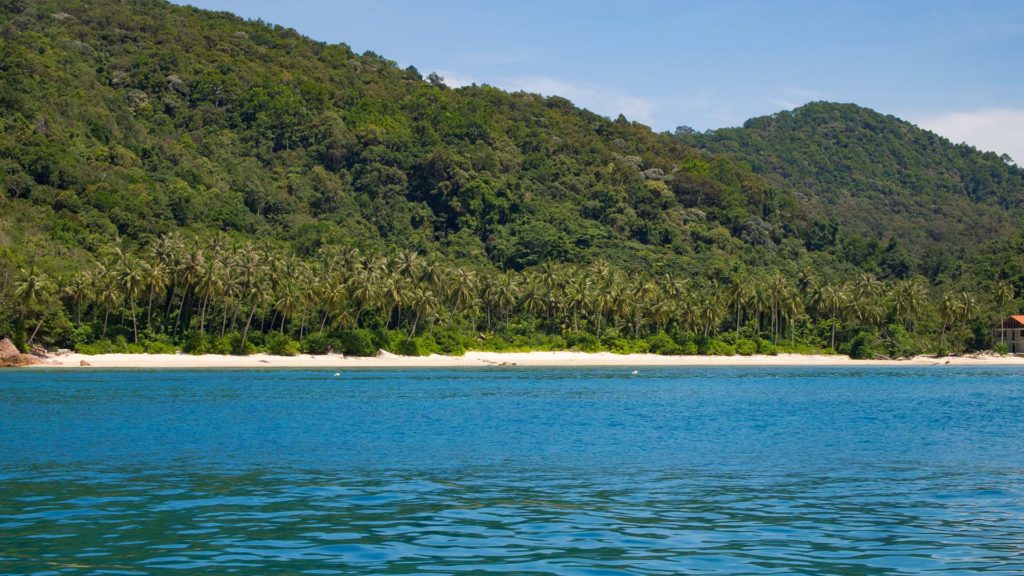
<point>954,67</point>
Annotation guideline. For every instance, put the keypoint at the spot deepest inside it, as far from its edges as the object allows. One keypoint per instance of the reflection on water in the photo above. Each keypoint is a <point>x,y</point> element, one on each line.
<point>701,471</point>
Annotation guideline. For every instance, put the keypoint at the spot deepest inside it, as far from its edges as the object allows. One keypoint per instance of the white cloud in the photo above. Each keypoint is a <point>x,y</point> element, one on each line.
<point>456,80</point>
<point>999,130</point>
<point>601,100</point>
<point>789,97</point>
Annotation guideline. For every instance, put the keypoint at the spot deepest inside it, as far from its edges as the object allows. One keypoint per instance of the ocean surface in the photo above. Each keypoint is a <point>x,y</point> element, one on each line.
<point>514,471</point>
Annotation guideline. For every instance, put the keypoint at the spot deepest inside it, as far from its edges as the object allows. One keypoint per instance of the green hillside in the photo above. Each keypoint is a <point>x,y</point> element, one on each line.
<point>878,176</point>
<point>176,177</point>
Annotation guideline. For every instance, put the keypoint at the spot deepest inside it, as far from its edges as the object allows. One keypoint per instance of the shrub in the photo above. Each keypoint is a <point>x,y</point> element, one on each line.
<point>448,342</point>
<point>863,346</point>
<point>158,347</point>
<point>281,344</point>
<point>84,334</point>
<point>746,347</point>
<point>901,344</point>
<point>196,343</point>
<point>102,346</point>
<point>419,346</point>
<point>663,344</point>
<point>713,347</point>
<point>584,342</point>
<point>359,342</point>
<point>236,347</point>
<point>687,344</point>
<point>1002,349</point>
<point>318,343</point>
<point>619,345</point>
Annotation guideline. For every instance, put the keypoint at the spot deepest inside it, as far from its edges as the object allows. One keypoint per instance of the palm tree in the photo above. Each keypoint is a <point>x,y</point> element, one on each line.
<point>257,298</point>
<point>641,289</point>
<point>462,290</point>
<point>132,279</point>
<point>834,297</point>
<point>740,292</point>
<point>30,289</point>
<point>1004,295</point>
<point>79,288</point>
<point>968,308</point>
<point>156,282</point>
<point>792,307</point>
<point>287,303</point>
<point>950,311</point>
<point>424,305</point>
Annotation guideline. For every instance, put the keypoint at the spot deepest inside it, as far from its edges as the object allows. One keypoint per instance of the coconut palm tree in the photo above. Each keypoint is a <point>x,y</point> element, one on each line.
<point>834,297</point>
<point>1004,294</point>
<point>740,292</point>
<point>30,289</point>
<point>424,306</point>
<point>131,276</point>
<point>950,311</point>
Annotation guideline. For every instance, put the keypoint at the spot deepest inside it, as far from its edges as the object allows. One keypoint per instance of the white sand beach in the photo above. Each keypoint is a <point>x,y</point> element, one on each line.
<point>481,359</point>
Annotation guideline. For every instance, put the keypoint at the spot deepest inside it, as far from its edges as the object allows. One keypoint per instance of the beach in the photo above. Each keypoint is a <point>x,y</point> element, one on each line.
<point>483,359</point>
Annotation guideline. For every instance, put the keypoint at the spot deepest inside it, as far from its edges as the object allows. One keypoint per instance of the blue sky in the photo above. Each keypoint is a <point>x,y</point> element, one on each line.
<point>953,67</point>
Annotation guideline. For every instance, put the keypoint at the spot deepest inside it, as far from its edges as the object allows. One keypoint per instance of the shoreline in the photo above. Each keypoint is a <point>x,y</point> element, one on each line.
<point>492,359</point>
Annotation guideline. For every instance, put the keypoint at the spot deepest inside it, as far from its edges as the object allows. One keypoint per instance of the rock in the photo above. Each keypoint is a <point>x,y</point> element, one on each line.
<point>39,351</point>
<point>84,363</point>
<point>8,349</point>
<point>19,361</point>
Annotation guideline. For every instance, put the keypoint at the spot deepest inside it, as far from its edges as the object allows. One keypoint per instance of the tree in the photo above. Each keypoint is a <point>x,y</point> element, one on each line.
<point>30,289</point>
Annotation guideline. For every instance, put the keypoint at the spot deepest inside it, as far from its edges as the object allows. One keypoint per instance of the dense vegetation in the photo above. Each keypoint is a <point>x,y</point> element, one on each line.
<point>175,178</point>
<point>873,176</point>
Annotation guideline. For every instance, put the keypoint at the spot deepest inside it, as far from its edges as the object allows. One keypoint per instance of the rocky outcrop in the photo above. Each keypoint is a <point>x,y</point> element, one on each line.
<point>11,357</point>
<point>8,350</point>
<point>83,363</point>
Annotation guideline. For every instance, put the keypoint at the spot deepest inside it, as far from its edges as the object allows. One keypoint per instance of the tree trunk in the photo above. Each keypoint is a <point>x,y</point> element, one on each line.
<point>245,331</point>
<point>36,331</point>
<point>135,325</point>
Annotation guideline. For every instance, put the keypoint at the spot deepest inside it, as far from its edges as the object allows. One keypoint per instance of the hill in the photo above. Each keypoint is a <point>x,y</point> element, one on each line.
<point>177,177</point>
<point>875,176</point>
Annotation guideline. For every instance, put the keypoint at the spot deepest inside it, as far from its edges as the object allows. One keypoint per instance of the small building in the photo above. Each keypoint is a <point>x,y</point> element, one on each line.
<point>1011,331</point>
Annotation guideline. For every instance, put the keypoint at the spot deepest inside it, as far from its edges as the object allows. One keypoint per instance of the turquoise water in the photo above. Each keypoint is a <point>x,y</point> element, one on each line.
<point>528,471</point>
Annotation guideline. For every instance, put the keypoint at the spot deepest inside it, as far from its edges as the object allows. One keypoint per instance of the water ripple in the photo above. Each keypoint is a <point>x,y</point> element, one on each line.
<point>755,471</point>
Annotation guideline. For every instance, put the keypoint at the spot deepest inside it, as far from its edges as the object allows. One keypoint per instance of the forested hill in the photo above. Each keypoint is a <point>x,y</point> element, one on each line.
<point>170,174</point>
<point>141,118</point>
<point>879,176</point>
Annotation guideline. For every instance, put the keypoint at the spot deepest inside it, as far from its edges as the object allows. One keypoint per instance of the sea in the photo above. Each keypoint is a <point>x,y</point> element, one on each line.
<point>509,470</point>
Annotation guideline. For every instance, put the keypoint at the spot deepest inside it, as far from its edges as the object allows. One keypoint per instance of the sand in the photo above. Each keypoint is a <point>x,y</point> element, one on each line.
<point>480,359</point>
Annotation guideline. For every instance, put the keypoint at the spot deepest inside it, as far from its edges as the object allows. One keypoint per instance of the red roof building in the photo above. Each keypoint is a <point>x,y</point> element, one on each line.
<point>1011,332</point>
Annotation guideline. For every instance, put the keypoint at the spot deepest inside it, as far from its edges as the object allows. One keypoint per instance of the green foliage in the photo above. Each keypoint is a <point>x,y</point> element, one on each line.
<point>1001,348</point>
<point>715,347</point>
<point>766,347</point>
<point>745,347</point>
<point>419,346</point>
<point>281,345</point>
<point>319,343</point>
<point>450,342</point>
<point>662,343</point>
<point>171,177</point>
<point>863,346</point>
<point>239,346</point>
<point>901,343</point>
<point>848,162</point>
<point>360,342</point>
